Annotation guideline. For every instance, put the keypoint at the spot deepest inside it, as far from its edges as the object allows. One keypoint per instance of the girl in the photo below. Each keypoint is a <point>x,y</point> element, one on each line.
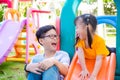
<point>89,45</point>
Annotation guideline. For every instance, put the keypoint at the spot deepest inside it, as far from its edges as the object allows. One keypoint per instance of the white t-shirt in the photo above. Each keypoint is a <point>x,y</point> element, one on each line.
<point>61,56</point>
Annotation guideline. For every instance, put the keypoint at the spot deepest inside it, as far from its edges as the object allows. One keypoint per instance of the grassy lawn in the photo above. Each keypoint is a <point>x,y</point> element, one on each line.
<point>12,71</point>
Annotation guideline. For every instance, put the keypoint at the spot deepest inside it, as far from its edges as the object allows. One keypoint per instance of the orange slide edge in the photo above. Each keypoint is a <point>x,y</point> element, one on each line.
<point>107,71</point>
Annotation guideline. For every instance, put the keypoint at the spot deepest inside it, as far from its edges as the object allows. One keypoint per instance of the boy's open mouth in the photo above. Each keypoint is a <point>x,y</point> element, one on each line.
<point>54,44</point>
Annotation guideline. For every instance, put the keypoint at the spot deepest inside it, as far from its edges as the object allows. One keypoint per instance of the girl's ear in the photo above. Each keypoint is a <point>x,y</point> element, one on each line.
<point>41,41</point>
<point>90,28</point>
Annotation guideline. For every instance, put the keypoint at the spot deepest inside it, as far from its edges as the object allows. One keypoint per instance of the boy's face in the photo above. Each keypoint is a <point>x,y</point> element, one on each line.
<point>50,40</point>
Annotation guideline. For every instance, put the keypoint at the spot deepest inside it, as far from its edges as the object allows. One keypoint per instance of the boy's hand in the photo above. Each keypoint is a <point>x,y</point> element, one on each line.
<point>47,63</point>
<point>34,67</point>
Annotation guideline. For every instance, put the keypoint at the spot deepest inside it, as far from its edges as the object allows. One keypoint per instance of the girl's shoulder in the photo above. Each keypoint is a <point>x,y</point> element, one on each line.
<point>98,38</point>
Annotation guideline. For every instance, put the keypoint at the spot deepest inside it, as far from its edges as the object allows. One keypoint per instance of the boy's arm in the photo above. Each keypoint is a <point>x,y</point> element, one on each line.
<point>33,67</point>
<point>62,65</point>
<point>63,68</point>
<point>26,72</point>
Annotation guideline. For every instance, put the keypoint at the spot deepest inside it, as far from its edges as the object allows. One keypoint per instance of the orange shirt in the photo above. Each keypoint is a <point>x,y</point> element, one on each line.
<point>98,47</point>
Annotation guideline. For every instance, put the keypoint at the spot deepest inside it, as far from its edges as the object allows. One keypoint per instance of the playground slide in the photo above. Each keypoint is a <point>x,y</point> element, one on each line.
<point>8,35</point>
<point>107,70</point>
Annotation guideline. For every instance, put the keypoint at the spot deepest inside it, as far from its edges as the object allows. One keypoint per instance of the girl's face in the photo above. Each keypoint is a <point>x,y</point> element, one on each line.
<point>81,29</point>
<point>50,40</point>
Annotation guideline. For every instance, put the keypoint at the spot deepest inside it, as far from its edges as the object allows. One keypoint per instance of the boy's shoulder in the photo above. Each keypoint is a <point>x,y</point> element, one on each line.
<point>37,56</point>
<point>61,52</point>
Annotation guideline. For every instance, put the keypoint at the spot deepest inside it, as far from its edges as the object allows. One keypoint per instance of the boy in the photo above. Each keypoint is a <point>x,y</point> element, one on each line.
<point>52,64</point>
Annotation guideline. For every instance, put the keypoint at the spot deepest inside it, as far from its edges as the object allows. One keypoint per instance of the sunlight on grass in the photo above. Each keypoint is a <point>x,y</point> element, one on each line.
<point>12,71</point>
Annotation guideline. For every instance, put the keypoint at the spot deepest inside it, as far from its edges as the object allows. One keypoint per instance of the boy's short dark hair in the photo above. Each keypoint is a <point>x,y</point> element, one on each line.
<point>42,30</point>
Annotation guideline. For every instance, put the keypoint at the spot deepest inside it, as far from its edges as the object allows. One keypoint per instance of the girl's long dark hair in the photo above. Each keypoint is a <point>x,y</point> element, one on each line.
<point>87,19</point>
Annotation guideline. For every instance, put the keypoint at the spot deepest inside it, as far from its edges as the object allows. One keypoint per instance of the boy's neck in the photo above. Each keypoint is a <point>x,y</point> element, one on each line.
<point>49,54</point>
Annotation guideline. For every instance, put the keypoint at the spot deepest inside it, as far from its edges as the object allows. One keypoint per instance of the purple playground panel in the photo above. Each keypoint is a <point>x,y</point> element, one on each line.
<point>8,35</point>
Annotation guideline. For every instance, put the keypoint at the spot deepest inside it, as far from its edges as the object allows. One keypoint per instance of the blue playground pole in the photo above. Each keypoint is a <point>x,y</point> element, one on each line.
<point>117,74</point>
<point>67,29</point>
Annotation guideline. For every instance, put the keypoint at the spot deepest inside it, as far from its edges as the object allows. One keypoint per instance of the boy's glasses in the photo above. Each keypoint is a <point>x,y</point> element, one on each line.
<point>52,36</point>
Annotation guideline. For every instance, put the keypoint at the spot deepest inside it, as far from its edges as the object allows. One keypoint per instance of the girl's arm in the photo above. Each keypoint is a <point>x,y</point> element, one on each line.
<point>81,57</point>
<point>84,73</point>
<point>97,67</point>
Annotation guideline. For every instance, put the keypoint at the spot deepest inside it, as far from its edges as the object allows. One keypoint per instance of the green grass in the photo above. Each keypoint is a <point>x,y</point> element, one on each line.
<point>12,71</point>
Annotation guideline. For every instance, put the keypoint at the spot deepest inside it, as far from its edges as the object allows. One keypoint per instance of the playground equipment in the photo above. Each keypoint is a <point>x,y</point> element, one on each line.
<point>8,2</point>
<point>12,14</point>
<point>26,42</point>
<point>108,20</point>
<point>117,73</point>
<point>68,15</point>
<point>107,71</point>
<point>8,35</point>
<point>21,38</point>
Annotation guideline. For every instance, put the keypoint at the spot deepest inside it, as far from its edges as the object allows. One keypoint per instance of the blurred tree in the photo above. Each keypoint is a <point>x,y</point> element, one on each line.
<point>2,9</point>
<point>22,8</point>
<point>1,15</point>
<point>109,7</point>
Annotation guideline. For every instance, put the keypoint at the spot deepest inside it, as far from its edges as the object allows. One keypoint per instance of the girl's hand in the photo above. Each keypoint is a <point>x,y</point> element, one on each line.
<point>92,77</point>
<point>84,75</point>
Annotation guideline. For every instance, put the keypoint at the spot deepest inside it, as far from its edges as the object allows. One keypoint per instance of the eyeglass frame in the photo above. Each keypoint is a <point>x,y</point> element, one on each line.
<point>51,36</point>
